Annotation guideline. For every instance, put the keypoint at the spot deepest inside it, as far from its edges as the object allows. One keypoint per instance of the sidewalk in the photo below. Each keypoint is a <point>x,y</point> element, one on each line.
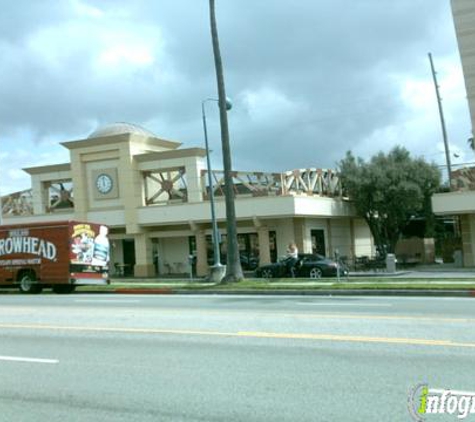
<point>441,271</point>
<point>434,280</point>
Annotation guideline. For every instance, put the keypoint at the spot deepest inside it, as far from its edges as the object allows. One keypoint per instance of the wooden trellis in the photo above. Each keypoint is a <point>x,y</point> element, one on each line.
<point>165,185</point>
<point>18,203</point>
<point>311,182</point>
<point>59,194</point>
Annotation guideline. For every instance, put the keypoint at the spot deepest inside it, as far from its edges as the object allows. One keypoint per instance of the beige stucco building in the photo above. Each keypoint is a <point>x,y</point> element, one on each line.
<point>153,195</point>
<point>461,201</point>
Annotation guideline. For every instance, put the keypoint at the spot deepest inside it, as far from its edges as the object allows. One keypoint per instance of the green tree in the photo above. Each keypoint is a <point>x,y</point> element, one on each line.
<point>388,190</point>
<point>233,263</point>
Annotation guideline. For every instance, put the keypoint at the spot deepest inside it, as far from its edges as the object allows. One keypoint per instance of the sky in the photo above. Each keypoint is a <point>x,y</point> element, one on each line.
<point>309,79</point>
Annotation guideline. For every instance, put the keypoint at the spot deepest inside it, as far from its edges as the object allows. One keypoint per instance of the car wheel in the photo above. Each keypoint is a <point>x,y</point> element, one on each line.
<point>315,273</point>
<point>28,284</point>
<point>267,273</point>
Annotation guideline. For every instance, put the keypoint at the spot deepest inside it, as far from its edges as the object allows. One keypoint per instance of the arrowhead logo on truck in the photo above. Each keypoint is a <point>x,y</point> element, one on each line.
<point>27,244</point>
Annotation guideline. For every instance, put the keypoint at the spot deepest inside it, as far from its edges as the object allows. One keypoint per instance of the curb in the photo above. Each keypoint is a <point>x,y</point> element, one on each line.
<point>139,291</point>
<point>355,292</point>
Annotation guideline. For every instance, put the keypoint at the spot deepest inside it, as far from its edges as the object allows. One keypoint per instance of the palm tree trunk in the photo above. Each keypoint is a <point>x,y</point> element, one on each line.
<point>233,263</point>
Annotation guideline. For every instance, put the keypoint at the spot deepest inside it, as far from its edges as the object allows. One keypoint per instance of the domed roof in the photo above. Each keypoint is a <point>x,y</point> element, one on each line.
<point>120,128</point>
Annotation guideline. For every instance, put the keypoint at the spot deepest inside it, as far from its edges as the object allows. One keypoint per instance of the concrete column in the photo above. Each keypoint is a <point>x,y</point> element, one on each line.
<point>193,167</point>
<point>80,191</point>
<point>143,256</point>
<point>201,256</point>
<point>264,245</point>
<point>130,181</point>
<point>329,251</point>
<point>40,200</point>
<point>467,226</point>
<point>352,255</point>
<point>299,228</point>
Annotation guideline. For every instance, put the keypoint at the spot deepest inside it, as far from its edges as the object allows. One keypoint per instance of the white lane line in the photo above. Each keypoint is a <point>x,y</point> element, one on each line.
<point>379,305</point>
<point>29,360</point>
<point>409,298</point>
<point>107,301</point>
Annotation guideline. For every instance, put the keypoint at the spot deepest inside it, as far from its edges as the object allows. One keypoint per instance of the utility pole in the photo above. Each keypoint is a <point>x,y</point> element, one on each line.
<point>442,122</point>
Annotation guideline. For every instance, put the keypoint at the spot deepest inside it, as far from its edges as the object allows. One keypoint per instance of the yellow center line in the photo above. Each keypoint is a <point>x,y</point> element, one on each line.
<point>361,339</point>
<point>248,334</point>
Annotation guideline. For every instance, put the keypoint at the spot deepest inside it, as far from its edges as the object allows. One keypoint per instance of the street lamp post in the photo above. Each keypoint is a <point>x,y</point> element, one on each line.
<point>217,270</point>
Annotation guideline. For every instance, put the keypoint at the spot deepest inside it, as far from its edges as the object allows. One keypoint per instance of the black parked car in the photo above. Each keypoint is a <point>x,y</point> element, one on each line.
<point>249,262</point>
<point>308,265</point>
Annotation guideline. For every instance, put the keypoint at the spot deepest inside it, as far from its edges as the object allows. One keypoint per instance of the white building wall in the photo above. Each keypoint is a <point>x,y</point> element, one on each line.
<point>464,20</point>
<point>58,216</point>
<point>112,218</point>
<point>340,237</point>
<point>284,231</point>
<point>468,239</point>
<point>450,203</point>
<point>363,239</point>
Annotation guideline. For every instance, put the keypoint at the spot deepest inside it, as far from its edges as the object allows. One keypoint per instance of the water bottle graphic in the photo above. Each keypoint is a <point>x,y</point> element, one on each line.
<point>101,247</point>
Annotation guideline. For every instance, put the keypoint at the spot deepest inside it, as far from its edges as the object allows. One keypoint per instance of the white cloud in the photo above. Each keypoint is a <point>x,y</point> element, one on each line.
<point>268,105</point>
<point>138,55</point>
<point>312,90</point>
<point>111,45</point>
<point>17,174</point>
<point>82,9</point>
<point>418,94</point>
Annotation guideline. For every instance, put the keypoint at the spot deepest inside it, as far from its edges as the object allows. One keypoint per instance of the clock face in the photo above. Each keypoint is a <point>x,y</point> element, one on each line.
<point>104,183</point>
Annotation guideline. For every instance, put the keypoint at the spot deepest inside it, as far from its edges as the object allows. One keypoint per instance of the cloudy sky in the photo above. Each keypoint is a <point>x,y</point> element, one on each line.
<point>309,79</point>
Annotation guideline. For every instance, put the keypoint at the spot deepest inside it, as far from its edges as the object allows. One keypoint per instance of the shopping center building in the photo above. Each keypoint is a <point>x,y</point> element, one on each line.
<point>461,200</point>
<point>154,196</point>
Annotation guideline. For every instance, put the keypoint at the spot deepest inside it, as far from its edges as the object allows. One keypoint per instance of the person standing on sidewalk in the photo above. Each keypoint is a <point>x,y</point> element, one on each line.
<point>292,258</point>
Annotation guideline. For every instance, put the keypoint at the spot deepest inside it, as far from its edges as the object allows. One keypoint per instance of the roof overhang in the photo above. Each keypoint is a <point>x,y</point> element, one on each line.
<point>127,137</point>
<point>48,169</point>
<point>453,203</point>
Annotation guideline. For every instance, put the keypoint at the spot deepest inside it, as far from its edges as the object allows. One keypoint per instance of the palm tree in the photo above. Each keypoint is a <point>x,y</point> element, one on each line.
<point>233,263</point>
<point>471,143</point>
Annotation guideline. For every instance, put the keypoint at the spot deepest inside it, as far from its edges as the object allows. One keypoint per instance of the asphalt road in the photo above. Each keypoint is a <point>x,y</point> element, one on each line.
<point>226,358</point>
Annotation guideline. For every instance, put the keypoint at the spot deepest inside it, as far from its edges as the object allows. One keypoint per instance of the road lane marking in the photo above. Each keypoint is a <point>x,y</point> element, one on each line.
<point>376,305</point>
<point>347,338</point>
<point>29,360</point>
<point>107,301</point>
<point>250,334</point>
<point>282,297</point>
<point>431,318</point>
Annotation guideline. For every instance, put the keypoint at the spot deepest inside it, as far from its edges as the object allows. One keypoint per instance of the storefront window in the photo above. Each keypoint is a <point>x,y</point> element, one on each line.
<point>318,242</point>
<point>248,249</point>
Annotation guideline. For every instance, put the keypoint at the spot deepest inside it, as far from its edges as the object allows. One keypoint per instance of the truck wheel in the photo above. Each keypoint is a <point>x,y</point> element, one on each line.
<point>63,289</point>
<point>28,285</point>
